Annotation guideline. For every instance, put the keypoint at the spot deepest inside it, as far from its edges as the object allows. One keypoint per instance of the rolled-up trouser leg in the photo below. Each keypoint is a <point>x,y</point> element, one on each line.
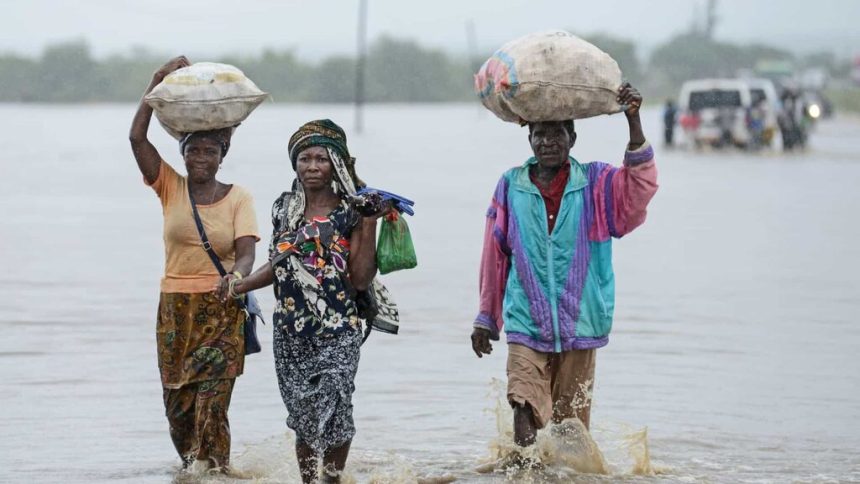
<point>529,381</point>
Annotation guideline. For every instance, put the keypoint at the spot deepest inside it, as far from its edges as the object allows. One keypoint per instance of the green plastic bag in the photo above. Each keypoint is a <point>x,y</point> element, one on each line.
<point>394,250</point>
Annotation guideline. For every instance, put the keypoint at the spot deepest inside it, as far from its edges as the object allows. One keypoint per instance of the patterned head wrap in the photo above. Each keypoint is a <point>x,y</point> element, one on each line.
<point>322,132</point>
<point>220,136</point>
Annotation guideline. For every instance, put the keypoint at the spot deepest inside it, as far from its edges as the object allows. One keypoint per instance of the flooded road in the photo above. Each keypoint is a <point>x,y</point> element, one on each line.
<point>735,340</point>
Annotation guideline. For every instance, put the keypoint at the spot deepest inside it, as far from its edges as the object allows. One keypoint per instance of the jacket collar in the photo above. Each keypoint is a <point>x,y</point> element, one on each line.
<point>576,181</point>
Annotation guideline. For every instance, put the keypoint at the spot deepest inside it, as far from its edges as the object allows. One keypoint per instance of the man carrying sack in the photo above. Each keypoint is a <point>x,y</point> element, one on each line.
<point>546,272</point>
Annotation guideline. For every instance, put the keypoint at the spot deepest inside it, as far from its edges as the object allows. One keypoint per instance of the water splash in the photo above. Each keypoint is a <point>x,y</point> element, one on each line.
<point>274,461</point>
<point>564,450</point>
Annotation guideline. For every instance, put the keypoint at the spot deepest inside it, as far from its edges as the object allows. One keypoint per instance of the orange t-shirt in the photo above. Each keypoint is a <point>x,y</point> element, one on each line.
<point>187,267</point>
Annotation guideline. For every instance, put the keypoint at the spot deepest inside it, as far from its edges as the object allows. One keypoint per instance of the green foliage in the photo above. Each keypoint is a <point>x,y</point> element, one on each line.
<point>845,98</point>
<point>400,70</point>
<point>396,71</point>
<point>694,55</point>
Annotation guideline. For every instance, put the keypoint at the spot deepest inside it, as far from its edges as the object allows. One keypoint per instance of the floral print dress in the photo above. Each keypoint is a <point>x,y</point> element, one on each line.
<point>317,331</point>
<point>321,248</point>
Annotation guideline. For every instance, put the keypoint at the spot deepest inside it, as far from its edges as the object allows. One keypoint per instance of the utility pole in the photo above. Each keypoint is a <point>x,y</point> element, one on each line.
<point>360,60</point>
<point>472,46</point>
<point>711,19</point>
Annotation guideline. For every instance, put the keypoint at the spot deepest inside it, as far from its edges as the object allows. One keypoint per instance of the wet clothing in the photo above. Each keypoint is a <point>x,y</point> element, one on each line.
<point>187,268</point>
<point>316,377</point>
<point>325,305</point>
<point>199,338</point>
<point>289,210</point>
<point>317,330</point>
<point>197,414</point>
<point>555,292</point>
<point>557,386</point>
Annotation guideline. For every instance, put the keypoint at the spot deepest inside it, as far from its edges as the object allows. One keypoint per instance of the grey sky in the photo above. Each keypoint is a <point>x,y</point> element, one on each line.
<point>207,27</point>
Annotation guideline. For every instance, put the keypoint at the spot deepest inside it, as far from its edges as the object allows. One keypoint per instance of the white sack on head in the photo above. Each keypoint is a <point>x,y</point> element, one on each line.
<point>202,97</point>
<point>549,76</point>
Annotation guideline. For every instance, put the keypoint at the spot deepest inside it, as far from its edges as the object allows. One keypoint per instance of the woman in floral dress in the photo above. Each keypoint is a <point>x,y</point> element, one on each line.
<point>322,254</point>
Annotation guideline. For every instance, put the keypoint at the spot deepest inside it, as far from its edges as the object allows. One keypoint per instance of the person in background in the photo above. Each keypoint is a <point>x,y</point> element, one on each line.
<point>200,340</point>
<point>670,117</point>
<point>546,271</point>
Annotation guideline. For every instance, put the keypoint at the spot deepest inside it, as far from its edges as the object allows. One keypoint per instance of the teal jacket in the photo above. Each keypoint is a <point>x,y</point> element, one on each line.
<point>555,292</point>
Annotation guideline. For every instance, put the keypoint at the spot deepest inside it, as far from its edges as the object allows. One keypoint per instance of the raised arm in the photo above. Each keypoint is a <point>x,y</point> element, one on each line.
<point>621,195</point>
<point>629,96</point>
<point>148,159</point>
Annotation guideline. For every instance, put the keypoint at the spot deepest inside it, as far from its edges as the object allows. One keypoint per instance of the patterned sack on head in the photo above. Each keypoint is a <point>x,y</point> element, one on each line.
<point>549,76</point>
<point>203,97</point>
<point>394,250</point>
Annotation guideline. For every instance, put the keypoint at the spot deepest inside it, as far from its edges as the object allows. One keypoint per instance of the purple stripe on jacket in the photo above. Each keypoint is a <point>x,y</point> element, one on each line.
<point>539,307</point>
<point>608,208</point>
<point>644,154</point>
<point>549,347</point>
<point>571,296</point>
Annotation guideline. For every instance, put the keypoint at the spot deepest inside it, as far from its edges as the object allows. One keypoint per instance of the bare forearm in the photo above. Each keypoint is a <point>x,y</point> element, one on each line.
<point>243,265</point>
<point>262,277</point>
<point>637,137</point>
<point>363,258</point>
<point>145,154</point>
<point>140,123</point>
<point>244,255</point>
<point>148,159</point>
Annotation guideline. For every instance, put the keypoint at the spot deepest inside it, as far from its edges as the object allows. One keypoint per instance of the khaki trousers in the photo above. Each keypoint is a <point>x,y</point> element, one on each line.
<point>557,386</point>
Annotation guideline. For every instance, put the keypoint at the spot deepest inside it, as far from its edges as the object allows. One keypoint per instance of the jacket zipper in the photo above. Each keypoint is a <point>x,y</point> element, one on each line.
<point>556,331</point>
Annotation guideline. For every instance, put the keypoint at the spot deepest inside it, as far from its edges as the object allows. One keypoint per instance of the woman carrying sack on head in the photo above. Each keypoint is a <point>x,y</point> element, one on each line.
<point>322,256</point>
<point>201,348</point>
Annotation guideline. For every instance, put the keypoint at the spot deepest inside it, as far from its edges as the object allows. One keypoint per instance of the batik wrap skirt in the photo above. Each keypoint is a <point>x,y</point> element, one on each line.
<point>199,338</point>
<point>316,376</point>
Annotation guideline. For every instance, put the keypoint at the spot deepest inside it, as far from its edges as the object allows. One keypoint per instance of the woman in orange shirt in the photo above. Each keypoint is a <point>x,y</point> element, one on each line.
<point>200,339</point>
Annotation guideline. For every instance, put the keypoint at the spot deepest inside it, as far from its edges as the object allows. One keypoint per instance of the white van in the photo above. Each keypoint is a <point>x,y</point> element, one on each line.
<point>715,112</point>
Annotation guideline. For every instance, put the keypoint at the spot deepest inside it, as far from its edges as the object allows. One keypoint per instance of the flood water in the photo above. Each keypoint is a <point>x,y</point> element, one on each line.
<point>736,342</point>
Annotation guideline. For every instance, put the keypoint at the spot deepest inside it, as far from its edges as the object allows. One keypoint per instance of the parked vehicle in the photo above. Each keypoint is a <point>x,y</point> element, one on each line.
<point>715,112</point>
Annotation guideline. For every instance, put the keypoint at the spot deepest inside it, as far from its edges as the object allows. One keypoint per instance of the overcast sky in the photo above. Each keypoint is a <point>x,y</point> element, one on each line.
<point>314,28</point>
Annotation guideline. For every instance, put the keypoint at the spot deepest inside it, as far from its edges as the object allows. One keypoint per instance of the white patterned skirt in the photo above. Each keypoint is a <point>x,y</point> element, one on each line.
<point>316,376</point>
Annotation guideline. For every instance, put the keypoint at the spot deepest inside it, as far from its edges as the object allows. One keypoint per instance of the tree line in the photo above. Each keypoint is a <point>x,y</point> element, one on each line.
<point>397,70</point>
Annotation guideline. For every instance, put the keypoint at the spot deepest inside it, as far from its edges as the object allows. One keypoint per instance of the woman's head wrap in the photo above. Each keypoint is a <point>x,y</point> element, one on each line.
<point>322,132</point>
<point>325,133</point>
<point>221,136</point>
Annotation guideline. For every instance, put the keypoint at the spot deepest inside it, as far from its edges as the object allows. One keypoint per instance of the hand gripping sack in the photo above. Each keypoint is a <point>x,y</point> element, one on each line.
<point>394,250</point>
<point>202,97</point>
<point>549,76</point>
